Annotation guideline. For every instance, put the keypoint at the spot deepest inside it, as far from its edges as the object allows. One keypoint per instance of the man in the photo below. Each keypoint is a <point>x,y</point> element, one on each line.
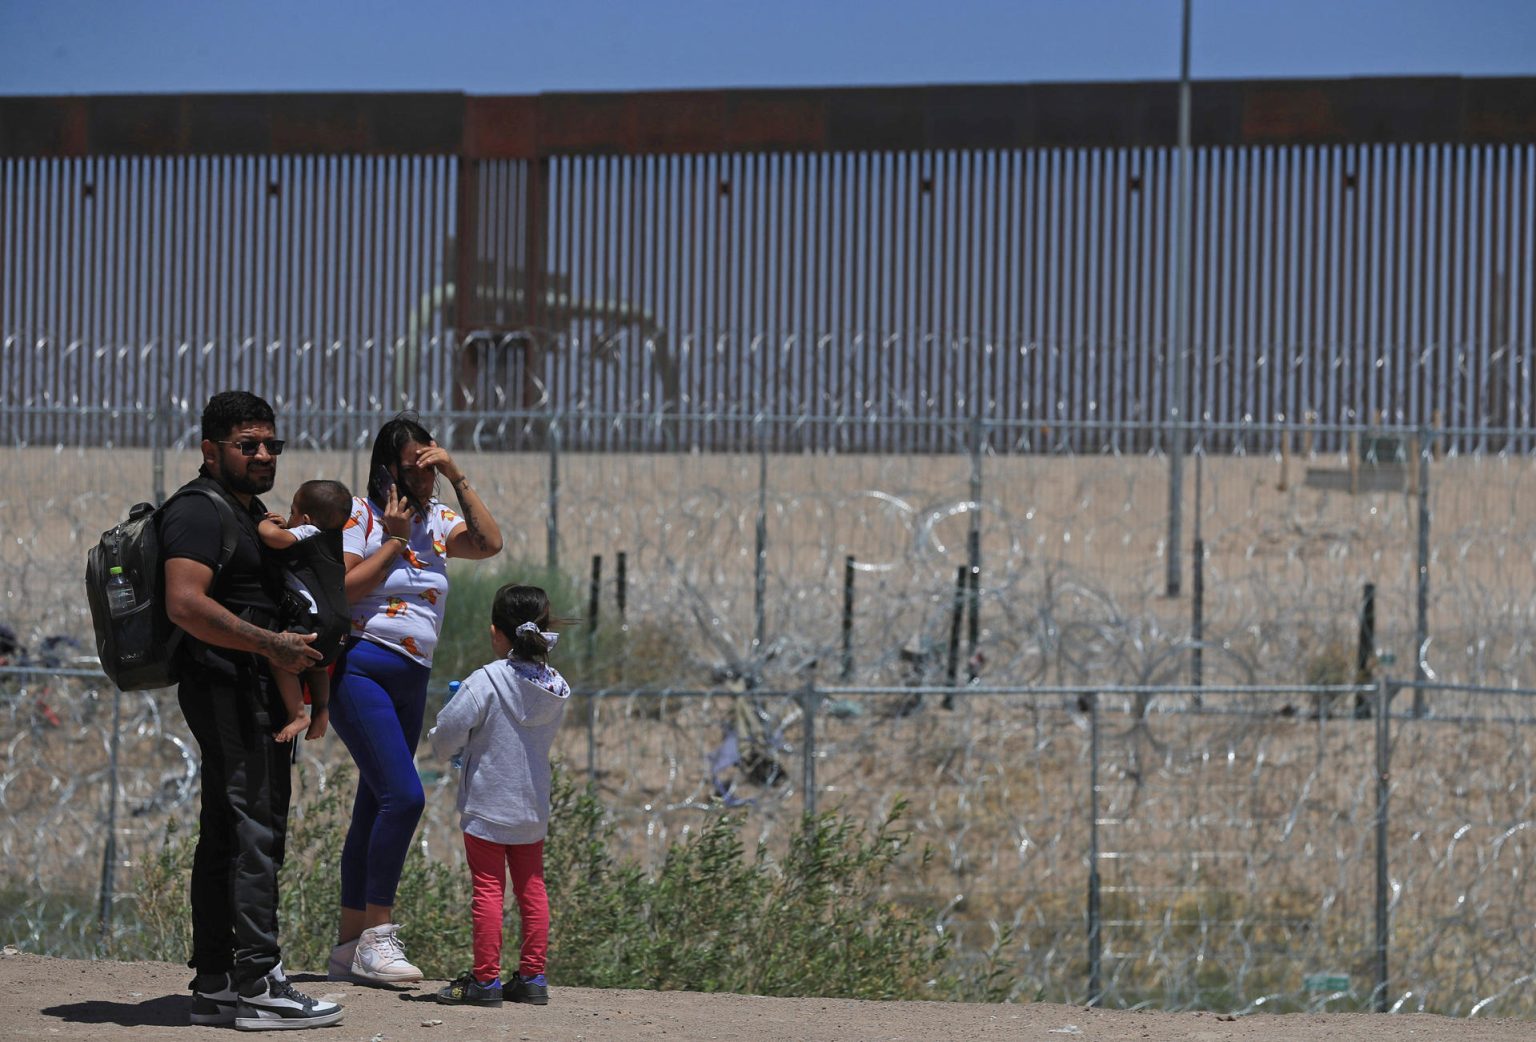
<point>233,710</point>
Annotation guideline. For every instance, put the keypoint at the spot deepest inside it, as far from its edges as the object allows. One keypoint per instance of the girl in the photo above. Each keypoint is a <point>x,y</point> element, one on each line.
<point>503,721</point>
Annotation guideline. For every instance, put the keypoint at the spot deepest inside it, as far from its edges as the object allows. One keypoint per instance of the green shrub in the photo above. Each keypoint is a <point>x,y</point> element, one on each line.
<point>639,654</point>
<point>709,918</point>
<point>161,924</point>
<point>436,893</point>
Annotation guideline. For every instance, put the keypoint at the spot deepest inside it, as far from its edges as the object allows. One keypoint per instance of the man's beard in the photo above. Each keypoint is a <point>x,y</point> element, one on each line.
<point>251,484</point>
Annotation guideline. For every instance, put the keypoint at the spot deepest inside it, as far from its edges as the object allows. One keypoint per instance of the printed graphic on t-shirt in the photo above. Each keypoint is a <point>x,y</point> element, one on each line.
<point>405,611</point>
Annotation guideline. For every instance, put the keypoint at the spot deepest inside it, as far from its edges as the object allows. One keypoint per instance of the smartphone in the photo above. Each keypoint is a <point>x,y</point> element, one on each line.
<point>382,483</point>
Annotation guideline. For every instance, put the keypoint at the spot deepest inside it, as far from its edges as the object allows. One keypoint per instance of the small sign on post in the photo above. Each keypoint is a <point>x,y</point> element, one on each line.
<point>1326,982</point>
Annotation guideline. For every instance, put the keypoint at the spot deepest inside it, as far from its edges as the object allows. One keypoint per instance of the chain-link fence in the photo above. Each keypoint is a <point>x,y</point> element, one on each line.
<point>1143,799</point>
<point>1236,849</point>
<point>762,558</point>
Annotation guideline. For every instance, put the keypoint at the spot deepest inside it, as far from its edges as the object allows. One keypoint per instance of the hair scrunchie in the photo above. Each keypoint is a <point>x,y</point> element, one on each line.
<point>550,639</point>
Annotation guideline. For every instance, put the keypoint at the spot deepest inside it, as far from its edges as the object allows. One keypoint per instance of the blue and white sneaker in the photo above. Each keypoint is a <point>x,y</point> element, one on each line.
<point>213,999</point>
<point>271,1003</point>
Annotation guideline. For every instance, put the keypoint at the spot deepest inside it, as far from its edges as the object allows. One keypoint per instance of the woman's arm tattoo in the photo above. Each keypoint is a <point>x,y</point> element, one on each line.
<point>469,503</point>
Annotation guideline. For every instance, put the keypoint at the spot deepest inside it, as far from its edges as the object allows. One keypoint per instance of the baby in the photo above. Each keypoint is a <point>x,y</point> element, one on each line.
<point>308,546</point>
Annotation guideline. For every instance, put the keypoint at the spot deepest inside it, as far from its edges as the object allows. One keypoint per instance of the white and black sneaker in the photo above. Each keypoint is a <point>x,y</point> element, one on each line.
<point>213,999</point>
<point>271,1003</point>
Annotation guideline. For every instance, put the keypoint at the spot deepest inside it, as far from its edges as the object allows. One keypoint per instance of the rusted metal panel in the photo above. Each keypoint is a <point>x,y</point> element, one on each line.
<point>502,127</point>
<point>1386,110</point>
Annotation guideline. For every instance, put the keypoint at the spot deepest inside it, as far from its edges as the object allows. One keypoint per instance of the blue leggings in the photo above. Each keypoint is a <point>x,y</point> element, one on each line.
<point>377,703</point>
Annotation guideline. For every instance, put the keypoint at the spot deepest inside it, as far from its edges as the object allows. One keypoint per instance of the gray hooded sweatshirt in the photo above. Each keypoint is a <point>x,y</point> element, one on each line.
<point>504,724</point>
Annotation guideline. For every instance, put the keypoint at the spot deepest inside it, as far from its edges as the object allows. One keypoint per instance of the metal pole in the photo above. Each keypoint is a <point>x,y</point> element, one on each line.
<point>1197,606</point>
<point>109,848</point>
<point>848,570</point>
<point>594,603</point>
<point>1365,648</point>
<point>973,619</point>
<point>552,553</point>
<point>1383,767</point>
<point>1197,620</point>
<point>1421,626</point>
<point>621,585</point>
<point>957,611</point>
<point>1095,919</point>
<point>809,699</point>
<point>973,550</point>
<point>1178,346</point>
<point>159,434</point>
<point>760,567</point>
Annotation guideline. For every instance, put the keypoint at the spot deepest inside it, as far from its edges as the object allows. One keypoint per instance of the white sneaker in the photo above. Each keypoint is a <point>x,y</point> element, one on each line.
<point>272,1003</point>
<point>381,957</point>
<point>340,966</point>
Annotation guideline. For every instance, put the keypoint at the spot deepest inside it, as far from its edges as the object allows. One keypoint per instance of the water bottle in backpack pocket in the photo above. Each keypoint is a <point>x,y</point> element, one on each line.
<point>120,596</point>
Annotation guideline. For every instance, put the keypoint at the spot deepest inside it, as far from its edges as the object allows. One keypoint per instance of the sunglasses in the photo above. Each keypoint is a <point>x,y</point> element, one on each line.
<point>248,446</point>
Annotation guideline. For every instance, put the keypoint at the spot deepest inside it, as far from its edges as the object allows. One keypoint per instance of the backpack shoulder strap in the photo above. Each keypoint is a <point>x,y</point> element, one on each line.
<point>228,527</point>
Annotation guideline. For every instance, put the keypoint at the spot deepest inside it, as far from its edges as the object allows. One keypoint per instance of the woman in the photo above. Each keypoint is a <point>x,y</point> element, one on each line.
<point>396,547</point>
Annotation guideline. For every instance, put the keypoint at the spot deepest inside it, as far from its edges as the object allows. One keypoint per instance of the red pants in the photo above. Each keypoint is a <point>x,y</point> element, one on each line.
<point>526,860</point>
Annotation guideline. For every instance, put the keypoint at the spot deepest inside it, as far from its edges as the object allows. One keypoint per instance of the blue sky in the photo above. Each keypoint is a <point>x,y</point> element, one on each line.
<point>526,46</point>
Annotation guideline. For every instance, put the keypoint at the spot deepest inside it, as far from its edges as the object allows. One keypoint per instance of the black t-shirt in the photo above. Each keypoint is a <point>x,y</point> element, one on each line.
<point>190,528</point>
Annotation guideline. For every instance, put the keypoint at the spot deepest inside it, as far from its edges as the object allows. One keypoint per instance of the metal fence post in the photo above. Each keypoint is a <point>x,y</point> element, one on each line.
<point>810,699</point>
<point>1383,767</point>
<point>109,848</point>
<point>848,575</point>
<point>594,603</point>
<point>552,523</point>
<point>1197,594</point>
<point>760,565</point>
<point>973,552</point>
<point>1421,624</point>
<point>1095,918</point>
<point>159,434</point>
<point>1179,338</point>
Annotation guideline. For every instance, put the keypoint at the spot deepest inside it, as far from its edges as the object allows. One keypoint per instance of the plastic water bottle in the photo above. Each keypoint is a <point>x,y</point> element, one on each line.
<point>120,598</point>
<point>457,759</point>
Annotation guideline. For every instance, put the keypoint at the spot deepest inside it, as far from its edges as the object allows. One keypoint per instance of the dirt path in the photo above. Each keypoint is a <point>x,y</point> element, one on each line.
<point>42,998</point>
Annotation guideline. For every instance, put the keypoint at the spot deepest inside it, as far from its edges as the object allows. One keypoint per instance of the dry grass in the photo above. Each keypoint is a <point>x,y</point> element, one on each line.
<point>1070,542</point>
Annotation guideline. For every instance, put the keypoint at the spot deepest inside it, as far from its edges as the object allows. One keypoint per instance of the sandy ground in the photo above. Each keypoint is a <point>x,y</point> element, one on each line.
<point>148,1002</point>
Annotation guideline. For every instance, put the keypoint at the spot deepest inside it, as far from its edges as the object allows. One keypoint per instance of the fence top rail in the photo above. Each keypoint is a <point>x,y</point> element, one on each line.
<point>659,418</point>
<point>1354,110</point>
<point>834,691</point>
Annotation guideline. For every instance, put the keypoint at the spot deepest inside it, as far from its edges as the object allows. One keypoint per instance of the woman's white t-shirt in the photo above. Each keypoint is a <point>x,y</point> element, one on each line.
<point>405,611</point>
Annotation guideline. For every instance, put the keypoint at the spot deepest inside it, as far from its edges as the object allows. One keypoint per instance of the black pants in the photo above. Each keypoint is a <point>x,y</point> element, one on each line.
<point>243,822</point>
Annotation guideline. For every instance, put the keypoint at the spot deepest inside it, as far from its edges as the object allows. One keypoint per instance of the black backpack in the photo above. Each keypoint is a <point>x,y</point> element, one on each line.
<point>138,651</point>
